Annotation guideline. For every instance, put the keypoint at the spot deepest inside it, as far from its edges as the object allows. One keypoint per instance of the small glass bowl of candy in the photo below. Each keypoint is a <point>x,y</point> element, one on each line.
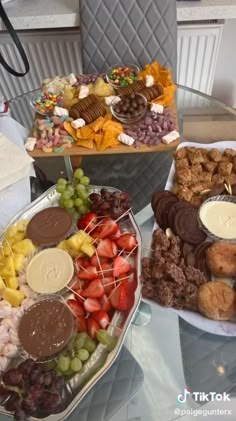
<point>121,76</point>
<point>130,108</point>
<point>44,102</point>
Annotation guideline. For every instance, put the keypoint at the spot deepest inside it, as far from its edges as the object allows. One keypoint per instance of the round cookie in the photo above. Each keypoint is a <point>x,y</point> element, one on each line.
<point>216,300</point>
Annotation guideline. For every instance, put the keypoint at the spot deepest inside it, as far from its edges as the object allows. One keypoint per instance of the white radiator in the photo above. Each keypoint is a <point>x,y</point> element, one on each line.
<point>57,52</point>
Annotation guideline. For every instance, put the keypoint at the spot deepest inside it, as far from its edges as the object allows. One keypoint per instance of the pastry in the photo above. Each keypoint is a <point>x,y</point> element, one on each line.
<point>216,300</point>
<point>221,259</point>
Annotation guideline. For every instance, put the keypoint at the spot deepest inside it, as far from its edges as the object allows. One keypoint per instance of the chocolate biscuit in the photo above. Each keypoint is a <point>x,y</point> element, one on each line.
<point>76,109</point>
<point>93,112</point>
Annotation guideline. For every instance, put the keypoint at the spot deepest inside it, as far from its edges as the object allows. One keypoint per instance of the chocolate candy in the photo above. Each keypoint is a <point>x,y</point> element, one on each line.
<point>131,105</point>
<point>93,112</point>
<point>76,109</point>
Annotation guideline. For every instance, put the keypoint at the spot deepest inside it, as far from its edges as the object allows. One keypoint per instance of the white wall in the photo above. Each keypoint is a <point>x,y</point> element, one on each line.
<point>224,87</point>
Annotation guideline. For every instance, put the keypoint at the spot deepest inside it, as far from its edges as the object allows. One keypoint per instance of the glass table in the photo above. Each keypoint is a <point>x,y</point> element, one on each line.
<point>172,353</point>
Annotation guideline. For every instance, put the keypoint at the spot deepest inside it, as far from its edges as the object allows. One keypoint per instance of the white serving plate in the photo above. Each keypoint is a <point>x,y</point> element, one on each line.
<point>224,328</point>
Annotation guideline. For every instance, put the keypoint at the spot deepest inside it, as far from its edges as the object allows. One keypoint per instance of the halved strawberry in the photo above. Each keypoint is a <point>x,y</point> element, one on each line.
<point>87,222</point>
<point>95,289</point>
<point>89,273</point>
<point>108,284</point>
<point>120,266</point>
<point>105,303</point>
<point>98,261</point>
<point>92,304</point>
<point>102,318</point>
<point>118,233</point>
<point>108,227</point>
<point>82,324</point>
<point>77,284</point>
<point>126,242</point>
<point>119,297</point>
<point>76,307</point>
<point>93,327</point>
<point>107,248</point>
<point>78,294</point>
<point>80,261</point>
<point>107,269</point>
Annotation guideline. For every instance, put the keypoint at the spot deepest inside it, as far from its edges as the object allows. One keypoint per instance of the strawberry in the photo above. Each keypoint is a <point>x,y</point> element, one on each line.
<point>78,295</point>
<point>126,242</point>
<point>105,303</point>
<point>120,266</point>
<point>87,222</point>
<point>92,304</point>
<point>82,324</point>
<point>118,233</point>
<point>93,327</point>
<point>89,273</point>
<point>107,248</point>
<point>107,269</point>
<point>80,261</point>
<point>119,297</point>
<point>108,284</point>
<point>108,227</point>
<point>77,284</point>
<point>102,318</point>
<point>94,289</point>
<point>76,307</point>
<point>95,261</point>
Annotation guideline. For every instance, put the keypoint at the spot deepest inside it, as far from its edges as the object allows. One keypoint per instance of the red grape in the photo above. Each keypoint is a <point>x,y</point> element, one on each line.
<point>13,402</point>
<point>20,415</point>
<point>12,377</point>
<point>50,401</point>
<point>29,405</point>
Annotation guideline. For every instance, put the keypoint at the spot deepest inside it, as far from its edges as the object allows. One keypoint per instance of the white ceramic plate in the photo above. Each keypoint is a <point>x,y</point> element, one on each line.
<point>224,328</point>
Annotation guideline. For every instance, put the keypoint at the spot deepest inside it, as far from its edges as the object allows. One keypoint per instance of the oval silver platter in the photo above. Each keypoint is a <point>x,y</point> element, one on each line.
<point>101,359</point>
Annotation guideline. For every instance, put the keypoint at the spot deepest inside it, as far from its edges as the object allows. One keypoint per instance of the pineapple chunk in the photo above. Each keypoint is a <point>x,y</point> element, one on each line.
<point>11,232</point>
<point>24,247</point>
<point>85,237</point>
<point>2,283</point>
<point>7,268</point>
<point>21,225</point>
<point>13,297</point>
<point>18,261</point>
<point>18,237</point>
<point>62,245</point>
<point>88,249</point>
<point>6,247</point>
<point>12,282</point>
<point>74,242</point>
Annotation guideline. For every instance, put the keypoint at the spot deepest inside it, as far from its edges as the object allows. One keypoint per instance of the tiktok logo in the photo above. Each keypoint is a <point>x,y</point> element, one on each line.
<point>182,397</point>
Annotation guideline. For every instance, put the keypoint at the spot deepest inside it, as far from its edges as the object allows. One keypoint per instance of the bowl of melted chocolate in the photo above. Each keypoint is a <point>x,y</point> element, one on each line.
<point>46,328</point>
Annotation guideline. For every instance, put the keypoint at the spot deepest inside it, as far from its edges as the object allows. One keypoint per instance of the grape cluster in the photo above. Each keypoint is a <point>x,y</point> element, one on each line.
<point>112,204</point>
<point>86,79</point>
<point>75,193</point>
<point>37,388</point>
<point>78,351</point>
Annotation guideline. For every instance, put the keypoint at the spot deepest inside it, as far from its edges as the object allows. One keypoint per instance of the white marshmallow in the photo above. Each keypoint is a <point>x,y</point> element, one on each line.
<point>13,335</point>
<point>9,350</point>
<point>84,91</point>
<point>79,122</point>
<point>72,79</point>
<point>149,81</point>
<point>4,361</point>
<point>112,100</point>
<point>59,111</point>
<point>8,322</point>
<point>29,293</point>
<point>157,108</point>
<point>5,309</point>
<point>4,335</point>
<point>170,137</point>
<point>30,144</point>
<point>127,140</point>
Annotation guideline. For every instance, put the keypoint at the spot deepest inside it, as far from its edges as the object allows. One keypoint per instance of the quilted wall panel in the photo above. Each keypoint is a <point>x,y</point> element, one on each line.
<point>128,31</point>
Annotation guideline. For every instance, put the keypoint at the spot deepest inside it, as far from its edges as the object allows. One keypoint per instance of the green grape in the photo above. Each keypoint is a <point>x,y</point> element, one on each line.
<point>78,173</point>
<point>61,202</point>
<point>70,189</point>
<point>76,215</point>
<point>62,181</point>
<point>106,339</point>
<point>52,365</point>
<point>80,188</point>
<point>60,188</point>
<point>66,195</point>
<point>76,364</point>
<point>90,345</point>
<point>85,180</point>
<point>83,210</point>
<point>78,202</point>
<point>80,340</point>
<point>63,363</point>
<point>68,204</point>
<point>83,195</point>
<point>68,372</point>
<point>83,354</point>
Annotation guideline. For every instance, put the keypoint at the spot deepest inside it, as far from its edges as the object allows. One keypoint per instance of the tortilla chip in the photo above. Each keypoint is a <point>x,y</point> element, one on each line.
<point>168,96</point>
<point>97,124</point>
<point>85,132</point>
<point>108,116</point>
<point>86,143</point>
<point>98,139</point>
<point>70,130</point>
<point>109,125</point>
